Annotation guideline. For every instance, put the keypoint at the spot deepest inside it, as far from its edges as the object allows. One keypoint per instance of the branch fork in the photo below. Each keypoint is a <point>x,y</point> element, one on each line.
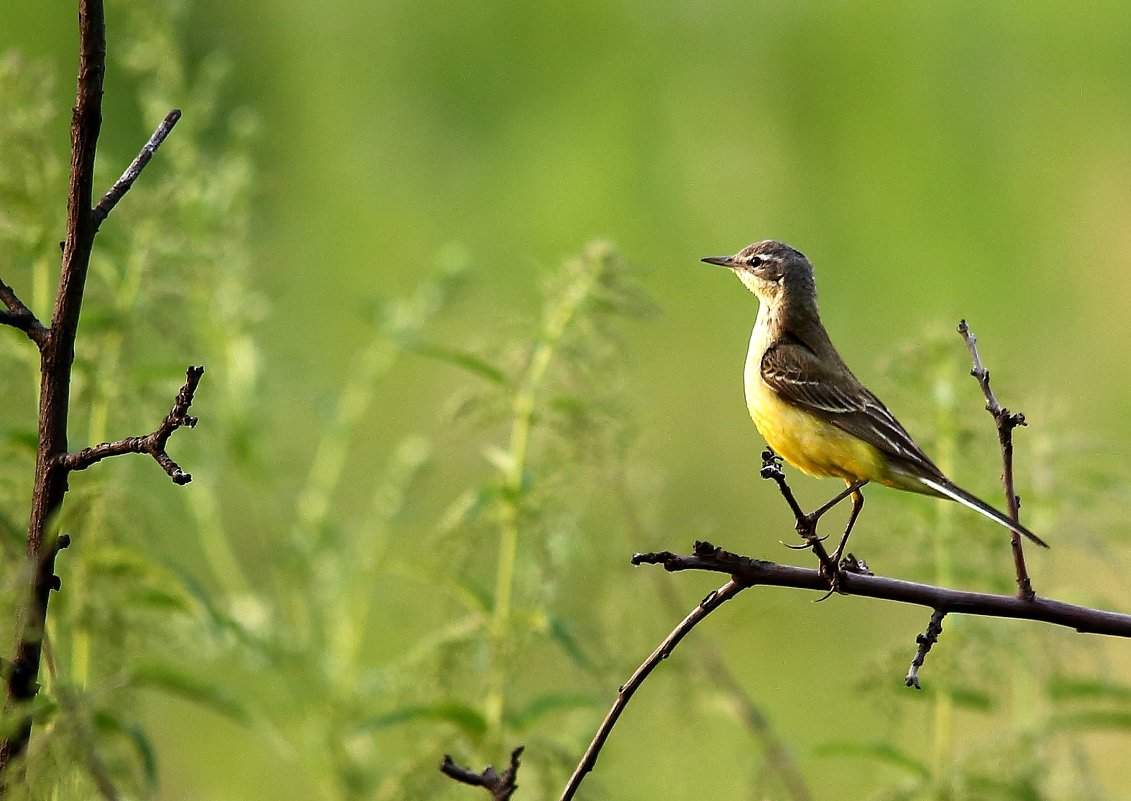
<point>501,786</point>
<point>154,444</point>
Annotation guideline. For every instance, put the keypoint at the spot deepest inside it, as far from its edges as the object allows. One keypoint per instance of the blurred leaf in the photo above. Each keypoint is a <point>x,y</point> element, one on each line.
<point>468,361</point>
<point>42,709</point>
<point>502,460</point>
<point>1021,788</point>
<point>468,507</point>
<point>1093,719</point>
<point>559,631</point>
<point>548,704</point>
<point>467,719</point>
<point>107,722</point>
<point>972,699</point>
<point>22,438</point>
<point>192,688</point>
<point>880,752</point>
<point>1062,688</point>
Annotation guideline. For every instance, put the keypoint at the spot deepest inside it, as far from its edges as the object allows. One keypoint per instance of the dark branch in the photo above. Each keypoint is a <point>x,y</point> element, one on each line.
<point>755,571</point>
<point>1005,421</point>
<point>624,695</point>
<point>17,315</point>
<point>57,354</point>
<point>925,640</point>
<point>500,786</point>
<point>153,444</point>
<point>123,184</point>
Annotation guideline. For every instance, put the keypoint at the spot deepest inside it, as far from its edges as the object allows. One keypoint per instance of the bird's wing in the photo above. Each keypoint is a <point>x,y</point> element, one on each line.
<point>831,392</point>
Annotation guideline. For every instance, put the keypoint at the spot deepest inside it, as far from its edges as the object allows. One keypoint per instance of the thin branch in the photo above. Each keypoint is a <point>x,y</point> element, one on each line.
<point>1005,421</point>
<point>123,184</point>
<point>925,641</point>
<point>749,571</point>
<point>778,756</point>
<point>708,605</point>
<point>500,786</point>
<point>154,444</point>
<point>20,316</point>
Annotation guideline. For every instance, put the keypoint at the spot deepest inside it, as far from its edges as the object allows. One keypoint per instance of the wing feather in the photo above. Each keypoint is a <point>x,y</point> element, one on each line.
<point>831,392</point>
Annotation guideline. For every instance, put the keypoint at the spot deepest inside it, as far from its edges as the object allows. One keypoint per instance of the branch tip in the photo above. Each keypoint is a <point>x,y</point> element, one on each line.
<point>116,192</point>
<point>500,786</point>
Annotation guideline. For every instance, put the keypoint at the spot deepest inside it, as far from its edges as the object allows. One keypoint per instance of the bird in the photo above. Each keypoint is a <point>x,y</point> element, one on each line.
<point>810,408</point>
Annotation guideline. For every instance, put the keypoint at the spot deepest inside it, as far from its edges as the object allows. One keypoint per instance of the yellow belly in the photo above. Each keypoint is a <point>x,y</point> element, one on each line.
<point>809,443</point>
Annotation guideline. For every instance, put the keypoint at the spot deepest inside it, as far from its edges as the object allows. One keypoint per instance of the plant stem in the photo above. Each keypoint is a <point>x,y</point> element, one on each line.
<point>557,322</point>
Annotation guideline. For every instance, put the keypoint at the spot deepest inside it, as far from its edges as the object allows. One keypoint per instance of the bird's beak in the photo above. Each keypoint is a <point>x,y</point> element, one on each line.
<point>722,261</point>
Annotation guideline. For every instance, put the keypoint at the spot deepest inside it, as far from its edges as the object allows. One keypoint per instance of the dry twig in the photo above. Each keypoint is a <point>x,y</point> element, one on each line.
<point>1006,421</point>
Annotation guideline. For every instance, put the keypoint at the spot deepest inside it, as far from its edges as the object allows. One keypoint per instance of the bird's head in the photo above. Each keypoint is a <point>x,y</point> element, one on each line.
<point>771,270</point>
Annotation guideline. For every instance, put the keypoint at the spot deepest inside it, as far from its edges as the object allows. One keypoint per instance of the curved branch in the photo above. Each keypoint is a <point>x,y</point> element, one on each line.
<point>708,605</point>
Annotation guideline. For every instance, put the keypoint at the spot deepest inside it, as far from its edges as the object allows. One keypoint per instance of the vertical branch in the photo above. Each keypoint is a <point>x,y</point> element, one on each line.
<point>1006,421</point>
<point>57,355</point>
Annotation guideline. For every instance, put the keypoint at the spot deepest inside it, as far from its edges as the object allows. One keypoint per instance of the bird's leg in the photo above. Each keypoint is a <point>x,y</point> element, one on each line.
<point>857,505</point>
<point>807,528</point>
<point>853,489</point>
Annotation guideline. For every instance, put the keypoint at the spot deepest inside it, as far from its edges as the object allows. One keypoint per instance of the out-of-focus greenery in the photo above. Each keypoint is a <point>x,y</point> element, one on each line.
<point>431,434</point>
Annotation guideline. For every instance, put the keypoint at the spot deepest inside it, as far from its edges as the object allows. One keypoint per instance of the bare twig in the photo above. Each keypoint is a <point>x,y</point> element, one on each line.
<point>925,640</point>
<point>708,605</point>
<point>1086,620</point>
<point>500,786</point>
<point>153,444</point>
<point>1006,421</point>
<point>17,315</point>
<point>123,184</point>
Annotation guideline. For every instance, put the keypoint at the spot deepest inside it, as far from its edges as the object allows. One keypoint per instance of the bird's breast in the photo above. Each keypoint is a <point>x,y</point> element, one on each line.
<point>809,443</point>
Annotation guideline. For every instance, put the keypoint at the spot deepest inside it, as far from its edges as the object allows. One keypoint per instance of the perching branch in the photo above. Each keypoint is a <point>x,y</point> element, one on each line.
<point>1006,421</point>
<point>1086,620</point>
<point>153,444</point>
<point>500,786</point>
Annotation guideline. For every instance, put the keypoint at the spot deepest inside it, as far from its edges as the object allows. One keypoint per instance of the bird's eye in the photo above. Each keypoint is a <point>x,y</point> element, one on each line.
<point>756,261</point>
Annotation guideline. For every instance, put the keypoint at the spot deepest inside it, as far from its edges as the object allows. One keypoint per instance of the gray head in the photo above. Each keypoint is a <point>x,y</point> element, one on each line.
<point>773,271</point>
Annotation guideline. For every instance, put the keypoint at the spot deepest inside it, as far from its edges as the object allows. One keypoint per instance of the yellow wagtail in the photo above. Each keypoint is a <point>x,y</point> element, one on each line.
<point>809,406</point>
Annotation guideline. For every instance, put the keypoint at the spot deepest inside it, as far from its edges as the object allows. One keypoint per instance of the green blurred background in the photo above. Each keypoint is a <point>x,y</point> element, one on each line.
<point>934,160</point>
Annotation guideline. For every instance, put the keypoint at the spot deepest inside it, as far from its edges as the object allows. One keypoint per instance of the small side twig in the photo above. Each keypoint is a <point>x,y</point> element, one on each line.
<point>708,605</point>
<point>501,786</point>
<point>1005,421</point>
<point>925,640</point>
<point>123,184</point>
<point>154,444</point>
<point>18,315</point>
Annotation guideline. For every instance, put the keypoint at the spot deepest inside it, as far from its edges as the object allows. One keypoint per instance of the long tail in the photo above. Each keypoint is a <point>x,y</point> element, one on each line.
<point>956,493</point>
